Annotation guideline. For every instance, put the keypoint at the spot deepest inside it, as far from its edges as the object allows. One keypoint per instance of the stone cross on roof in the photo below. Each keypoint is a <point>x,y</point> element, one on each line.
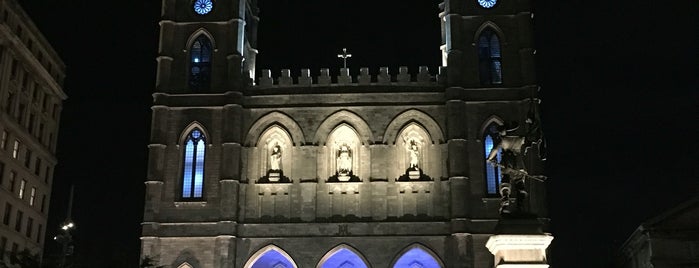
<point>344,57</point>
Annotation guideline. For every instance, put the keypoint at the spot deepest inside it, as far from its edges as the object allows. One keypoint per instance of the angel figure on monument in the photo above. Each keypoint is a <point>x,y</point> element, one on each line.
<point>511,166</point>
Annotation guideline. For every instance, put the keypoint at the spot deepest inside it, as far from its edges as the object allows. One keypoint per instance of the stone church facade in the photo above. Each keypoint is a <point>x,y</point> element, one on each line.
<point>256,170</point>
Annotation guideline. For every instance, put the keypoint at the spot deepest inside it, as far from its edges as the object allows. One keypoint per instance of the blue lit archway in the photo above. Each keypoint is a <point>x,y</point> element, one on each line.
<point>270,257</point>
<point>343,256</point>
<point>417,256</point>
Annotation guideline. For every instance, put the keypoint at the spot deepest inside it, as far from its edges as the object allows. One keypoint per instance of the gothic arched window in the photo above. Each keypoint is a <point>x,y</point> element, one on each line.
<point>492,173</point>
<point>193,165</point>
<point>489,59</point>
<point>342,257</point>
<point>270,257</point>
<point>200,64</point>
<point>417,257</point>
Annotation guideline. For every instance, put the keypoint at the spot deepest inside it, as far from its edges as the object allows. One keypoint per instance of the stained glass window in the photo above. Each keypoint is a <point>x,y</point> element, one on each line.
<point>492,173</point>
<point>193,165</point>
<point>200,64</point>
<point>417,258</point>
<point>202,7</point>
<point>273,259</point>
<point>489,58</point>
<point>344,258</point>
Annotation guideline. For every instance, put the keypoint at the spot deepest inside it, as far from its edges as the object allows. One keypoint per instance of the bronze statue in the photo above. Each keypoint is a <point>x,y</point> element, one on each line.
<point>512,169</point>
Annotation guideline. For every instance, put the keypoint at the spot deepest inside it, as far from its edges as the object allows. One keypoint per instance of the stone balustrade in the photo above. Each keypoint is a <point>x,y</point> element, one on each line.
<point>384,77</point>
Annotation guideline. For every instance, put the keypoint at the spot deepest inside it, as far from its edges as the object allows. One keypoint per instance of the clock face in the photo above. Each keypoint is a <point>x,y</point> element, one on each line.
<point>487,3</point>
<point>203,7</point>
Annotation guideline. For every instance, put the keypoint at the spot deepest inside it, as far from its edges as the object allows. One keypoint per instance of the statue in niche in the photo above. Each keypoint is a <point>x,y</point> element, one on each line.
<point>274,173</point>
<point>344,160</point>
<point>512,168</point>
<point>275,158</point>
<point>414,155</point>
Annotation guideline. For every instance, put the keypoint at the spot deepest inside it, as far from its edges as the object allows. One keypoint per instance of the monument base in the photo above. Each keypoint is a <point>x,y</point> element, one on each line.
<point>519,243</point>
<point>414,174</point>
<point>274,176</point>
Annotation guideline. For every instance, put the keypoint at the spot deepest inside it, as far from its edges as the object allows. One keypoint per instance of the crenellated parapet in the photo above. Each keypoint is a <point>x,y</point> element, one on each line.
<point>384,77</point>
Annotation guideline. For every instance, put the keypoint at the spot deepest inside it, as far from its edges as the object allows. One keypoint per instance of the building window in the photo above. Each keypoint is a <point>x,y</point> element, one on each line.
<point>489,59</point>
<point>22,185</point>
<point>417,257</point>
<point>18,221</point>
<point>3,247</point>
<point>39,230</point>
<point>37,166</point>
<point>15,149</point>
<point>47,174</point>
<point>492,173</point>
<point>27,158</point>
<point>10,103</point>
<point>8,213</point>
<point>2,173</point>
<point>30,125</point>
<point>13,69</point>
<point>54,113</point>
<point>193,165</point>
<point>40,134</point>
<point>45,102</point>
<point>30,226</point>
<point>200,64</point>
<point>3,142</point>
<point>13,177</point>
<point>20,114</point>
<point>13,252</point>
<point>43,202</point>
<point>32,196</point>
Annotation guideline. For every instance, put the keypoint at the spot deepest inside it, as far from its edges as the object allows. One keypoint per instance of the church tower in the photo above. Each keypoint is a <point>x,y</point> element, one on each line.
<point>413,169</point>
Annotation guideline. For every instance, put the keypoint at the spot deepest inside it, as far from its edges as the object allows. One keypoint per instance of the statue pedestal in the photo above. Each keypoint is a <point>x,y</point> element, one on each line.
<point>274,176</point>
<point>414,174</point>
<point>343,177</point>
<point>519,244</point>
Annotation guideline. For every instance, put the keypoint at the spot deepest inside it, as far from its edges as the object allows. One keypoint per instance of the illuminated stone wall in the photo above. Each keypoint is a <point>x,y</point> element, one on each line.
<point>376,169</point>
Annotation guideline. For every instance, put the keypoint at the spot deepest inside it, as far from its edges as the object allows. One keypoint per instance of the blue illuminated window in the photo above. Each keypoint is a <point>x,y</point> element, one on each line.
<point>200,64</point>
<point>489,59</point>
<point>417,258</point>
<point>193,165</point>
<point>492,173</point>
<point>344,258</point>
<point>273,259</point>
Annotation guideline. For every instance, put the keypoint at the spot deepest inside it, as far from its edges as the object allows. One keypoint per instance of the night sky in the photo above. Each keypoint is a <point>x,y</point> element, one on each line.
<point>619,89</point>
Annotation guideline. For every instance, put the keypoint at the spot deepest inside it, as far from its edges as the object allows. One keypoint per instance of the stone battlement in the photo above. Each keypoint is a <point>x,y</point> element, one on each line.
<point>384,77</point>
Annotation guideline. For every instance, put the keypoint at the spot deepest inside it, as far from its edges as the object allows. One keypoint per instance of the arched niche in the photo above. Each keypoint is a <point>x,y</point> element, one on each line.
<point>343,256</point>
<point>274,151</point>
<point>331,122</point>
<point>412,144</point>
<point>343,149</point>
<point>270,256</point>
<point>417,256</point>
<point>274,118</point>
<point>417,117</point>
